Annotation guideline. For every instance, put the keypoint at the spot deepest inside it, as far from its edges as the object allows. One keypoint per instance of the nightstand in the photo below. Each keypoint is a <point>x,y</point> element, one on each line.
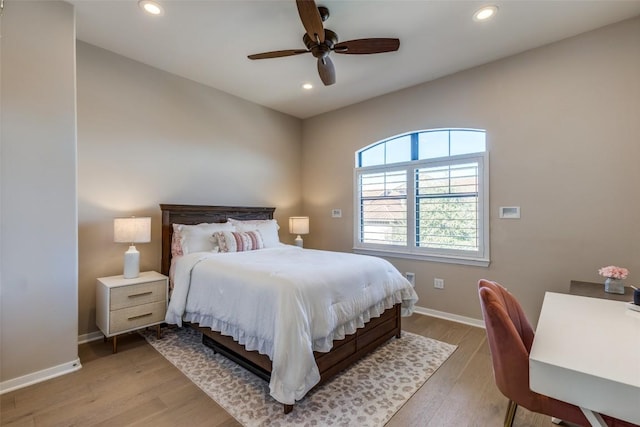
<point>124,305</point>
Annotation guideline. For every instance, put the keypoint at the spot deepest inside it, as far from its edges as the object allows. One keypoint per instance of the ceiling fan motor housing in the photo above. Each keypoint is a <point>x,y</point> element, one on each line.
<point>320,50</point>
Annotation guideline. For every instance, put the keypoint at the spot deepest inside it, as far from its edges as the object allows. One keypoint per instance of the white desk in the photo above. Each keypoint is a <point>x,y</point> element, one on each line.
<point>586,351</point>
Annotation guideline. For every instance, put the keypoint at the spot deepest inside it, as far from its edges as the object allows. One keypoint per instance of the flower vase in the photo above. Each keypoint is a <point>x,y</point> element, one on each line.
<point>613,286</point>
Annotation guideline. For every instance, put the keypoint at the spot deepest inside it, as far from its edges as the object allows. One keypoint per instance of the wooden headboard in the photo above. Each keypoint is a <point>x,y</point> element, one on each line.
<point>196,214</point>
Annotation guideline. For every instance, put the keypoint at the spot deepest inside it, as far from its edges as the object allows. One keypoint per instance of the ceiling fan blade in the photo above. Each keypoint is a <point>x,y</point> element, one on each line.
<point>366,46</point>
<point>277,54</point>
<point>311,19</point>
<point>327,71</point>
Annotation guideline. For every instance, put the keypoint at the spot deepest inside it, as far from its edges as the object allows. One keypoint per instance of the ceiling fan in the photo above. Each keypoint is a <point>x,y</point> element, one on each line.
<point>321,41</point>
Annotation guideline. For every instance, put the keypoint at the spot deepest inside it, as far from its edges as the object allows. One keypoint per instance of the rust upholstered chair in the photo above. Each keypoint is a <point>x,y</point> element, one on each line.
<point>510,337</point>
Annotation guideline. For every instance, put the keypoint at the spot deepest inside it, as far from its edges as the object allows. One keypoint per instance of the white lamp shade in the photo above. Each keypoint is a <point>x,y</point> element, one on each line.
<point>132,230</point>
<point>299,225</point>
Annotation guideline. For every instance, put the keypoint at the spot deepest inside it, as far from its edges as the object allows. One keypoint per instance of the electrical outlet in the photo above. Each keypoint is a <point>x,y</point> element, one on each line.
<point>336,213</point>
<point>438,283</point>
<point>411,277</point>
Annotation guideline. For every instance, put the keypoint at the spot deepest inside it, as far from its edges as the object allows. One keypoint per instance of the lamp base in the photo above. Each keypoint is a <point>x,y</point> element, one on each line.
<point>131,263</point>
<point>298,241</point>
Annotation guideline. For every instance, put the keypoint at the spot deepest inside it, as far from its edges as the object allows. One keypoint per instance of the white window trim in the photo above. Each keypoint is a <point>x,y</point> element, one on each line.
<point>410,251</point>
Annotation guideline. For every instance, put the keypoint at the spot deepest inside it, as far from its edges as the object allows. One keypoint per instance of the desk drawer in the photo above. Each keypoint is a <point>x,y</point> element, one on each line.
<point>143,293</point>
<point>137,317</point>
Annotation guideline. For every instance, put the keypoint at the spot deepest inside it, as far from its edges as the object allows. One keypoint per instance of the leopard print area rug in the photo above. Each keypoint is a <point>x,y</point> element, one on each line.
<point>368,393</point>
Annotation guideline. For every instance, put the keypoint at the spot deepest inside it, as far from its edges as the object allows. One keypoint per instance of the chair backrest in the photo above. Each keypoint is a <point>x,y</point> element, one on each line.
<point>510,337</point>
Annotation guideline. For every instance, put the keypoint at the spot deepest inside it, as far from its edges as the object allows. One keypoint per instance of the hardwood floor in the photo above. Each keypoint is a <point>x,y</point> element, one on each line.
<point>137,386</point>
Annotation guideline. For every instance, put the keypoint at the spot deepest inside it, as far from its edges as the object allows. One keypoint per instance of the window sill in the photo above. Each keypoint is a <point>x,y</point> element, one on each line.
<point>478,262</point>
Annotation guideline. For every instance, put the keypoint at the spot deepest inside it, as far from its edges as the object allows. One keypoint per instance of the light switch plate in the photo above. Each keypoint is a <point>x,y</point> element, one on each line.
<point>336,213</point>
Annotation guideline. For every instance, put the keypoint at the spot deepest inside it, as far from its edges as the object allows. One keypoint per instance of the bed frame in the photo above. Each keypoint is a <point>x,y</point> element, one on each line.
<point>344,352</point>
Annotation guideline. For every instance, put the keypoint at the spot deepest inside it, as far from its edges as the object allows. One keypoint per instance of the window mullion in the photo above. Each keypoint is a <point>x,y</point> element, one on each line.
<point>411,207</point>
<point>415,146</point>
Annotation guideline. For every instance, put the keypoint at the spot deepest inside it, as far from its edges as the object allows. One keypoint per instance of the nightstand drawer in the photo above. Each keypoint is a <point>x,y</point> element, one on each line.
<point>143,293</point>
<point>137,317</point>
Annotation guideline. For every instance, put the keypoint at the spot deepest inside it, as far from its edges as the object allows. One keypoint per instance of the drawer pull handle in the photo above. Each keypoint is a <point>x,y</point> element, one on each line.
<point>140,316</point>
<point>140,295</point>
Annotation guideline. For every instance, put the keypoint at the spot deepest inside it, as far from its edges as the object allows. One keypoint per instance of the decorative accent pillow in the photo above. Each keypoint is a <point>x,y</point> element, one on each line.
<point>176,242</point>
<point>196,238</point>
<point>239,241</point>
<point>268,228</point>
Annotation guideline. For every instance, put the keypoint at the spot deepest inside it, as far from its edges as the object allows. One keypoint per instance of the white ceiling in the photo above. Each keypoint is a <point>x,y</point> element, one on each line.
<point>208,41</point>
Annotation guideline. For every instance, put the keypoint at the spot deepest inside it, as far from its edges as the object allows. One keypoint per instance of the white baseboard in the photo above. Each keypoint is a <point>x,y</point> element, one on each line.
<point>92,336</point>
<point>36,377</point>
<point>449,316</point>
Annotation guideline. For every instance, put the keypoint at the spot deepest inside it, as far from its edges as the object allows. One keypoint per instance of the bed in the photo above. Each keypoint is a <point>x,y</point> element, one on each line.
<point>363,333</point>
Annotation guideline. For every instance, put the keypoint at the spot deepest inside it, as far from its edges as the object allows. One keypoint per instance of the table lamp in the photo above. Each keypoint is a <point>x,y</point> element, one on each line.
<point>132,230</point>
<point>299,225</point>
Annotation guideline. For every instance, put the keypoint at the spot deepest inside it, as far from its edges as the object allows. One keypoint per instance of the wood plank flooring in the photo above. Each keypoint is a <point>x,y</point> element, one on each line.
<point>138,387</point>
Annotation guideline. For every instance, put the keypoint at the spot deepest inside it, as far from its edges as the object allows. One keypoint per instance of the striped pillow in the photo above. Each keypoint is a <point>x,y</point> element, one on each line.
<point>239,241</point>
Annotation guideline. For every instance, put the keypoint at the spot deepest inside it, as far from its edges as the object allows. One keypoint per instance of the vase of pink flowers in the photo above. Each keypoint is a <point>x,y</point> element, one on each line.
<point>615,275</point>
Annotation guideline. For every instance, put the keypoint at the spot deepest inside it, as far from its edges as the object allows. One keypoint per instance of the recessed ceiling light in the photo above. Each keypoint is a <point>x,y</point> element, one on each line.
<point>485,13</point>
<point>307,86</point>
<point>151,7</point>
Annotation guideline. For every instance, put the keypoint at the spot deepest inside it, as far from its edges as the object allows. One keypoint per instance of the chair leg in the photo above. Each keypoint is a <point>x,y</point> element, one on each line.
<point>511,413</point>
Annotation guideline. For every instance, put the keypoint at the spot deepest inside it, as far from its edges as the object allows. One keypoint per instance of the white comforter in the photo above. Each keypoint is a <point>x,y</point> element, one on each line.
<point>286,302</point>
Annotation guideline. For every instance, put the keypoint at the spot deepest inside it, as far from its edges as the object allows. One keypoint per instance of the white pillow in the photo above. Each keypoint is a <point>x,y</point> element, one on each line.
<point>268,228</point>
<point>198,238</point>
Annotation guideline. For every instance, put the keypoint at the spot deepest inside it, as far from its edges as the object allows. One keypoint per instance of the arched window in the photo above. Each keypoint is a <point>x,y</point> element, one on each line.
<point>424,195</point>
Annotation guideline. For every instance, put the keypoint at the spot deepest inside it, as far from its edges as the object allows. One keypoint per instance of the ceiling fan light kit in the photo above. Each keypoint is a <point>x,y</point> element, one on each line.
<point>320,42</point>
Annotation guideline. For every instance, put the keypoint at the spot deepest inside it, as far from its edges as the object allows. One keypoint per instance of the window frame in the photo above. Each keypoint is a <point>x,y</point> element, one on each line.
<point>481,257</point>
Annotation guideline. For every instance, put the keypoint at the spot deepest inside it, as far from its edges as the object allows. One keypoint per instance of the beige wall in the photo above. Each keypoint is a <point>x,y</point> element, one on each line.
<point>147,137</point>
<point>39,252</point>
<point>563,133</point>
